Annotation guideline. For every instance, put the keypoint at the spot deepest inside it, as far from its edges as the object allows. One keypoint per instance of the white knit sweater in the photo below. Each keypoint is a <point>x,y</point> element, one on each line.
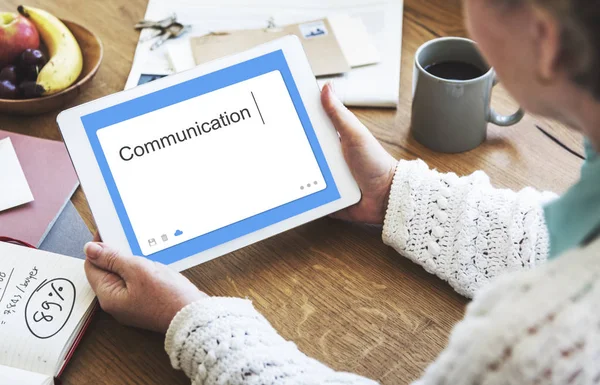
<point>537,326</point>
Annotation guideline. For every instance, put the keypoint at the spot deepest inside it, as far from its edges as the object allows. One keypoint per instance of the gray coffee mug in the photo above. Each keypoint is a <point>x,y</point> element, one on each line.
<point>452,115</point>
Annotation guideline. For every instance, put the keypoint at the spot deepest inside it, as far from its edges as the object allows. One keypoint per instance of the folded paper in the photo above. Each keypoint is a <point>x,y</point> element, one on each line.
<point>14,189</point>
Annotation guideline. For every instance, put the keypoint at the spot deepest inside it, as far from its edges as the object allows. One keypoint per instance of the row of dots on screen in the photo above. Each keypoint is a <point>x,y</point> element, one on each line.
<point>308,185</point>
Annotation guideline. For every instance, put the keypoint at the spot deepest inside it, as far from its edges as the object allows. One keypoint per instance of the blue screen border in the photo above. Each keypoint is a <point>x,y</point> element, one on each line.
<point>190,89</point>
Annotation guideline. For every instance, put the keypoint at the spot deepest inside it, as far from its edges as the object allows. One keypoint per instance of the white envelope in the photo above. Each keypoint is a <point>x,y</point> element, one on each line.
<point>14,189</point>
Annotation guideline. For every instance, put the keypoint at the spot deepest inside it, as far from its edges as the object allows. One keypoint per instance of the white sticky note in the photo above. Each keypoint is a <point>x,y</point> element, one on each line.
<point>354,40</point>
<point>14,189</point>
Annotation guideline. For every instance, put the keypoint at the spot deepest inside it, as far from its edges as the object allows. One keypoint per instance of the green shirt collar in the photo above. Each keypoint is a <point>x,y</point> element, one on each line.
<point>574,218</point>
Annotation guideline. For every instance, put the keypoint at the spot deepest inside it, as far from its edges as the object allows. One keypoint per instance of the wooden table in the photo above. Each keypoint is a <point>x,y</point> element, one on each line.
<point>332,287</point>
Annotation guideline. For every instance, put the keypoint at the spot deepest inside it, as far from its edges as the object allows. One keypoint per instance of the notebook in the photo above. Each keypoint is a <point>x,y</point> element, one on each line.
<point>52,180</point>
<point>46,304</point>
<point>68,235</point>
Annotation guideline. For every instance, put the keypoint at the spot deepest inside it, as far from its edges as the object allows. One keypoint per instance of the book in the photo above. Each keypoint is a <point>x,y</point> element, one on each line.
<point>68,235</point>
<point>45,305</point>
<point>52,179</point>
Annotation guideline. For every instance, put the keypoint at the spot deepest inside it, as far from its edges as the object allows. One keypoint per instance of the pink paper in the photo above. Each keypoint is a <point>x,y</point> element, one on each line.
<point>52,180</point>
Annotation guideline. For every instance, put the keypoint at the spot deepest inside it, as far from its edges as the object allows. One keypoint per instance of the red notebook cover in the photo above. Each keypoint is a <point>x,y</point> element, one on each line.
<point>69,355</point>
<point>52,179</point>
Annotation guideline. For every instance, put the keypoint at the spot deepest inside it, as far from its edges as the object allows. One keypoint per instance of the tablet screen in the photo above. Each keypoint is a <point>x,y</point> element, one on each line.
<point>203,162</point>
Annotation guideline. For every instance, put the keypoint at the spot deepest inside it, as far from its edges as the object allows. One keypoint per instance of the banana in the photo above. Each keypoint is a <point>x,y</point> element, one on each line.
<point>66,62</point>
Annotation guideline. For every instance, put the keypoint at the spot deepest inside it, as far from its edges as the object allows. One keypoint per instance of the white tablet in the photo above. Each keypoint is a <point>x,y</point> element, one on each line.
<point>204,162</point>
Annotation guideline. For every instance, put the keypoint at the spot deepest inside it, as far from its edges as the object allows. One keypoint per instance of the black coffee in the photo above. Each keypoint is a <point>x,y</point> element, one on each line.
<point>454,70</point>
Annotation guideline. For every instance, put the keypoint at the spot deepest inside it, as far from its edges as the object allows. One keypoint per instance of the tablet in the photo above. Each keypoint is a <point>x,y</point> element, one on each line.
<point>198,164</point>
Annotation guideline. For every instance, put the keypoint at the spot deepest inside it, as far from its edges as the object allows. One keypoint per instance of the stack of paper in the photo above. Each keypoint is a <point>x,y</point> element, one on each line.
<point>373,85</point>
<point>37,180</point>
<point>319,41</point>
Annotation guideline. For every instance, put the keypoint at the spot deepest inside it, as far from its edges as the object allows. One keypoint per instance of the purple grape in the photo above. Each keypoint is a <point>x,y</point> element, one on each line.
<point>9,73</point>
<point>29,72</point>
<point>30,89</point>
<point>32,57</point>
<point>8,90</point>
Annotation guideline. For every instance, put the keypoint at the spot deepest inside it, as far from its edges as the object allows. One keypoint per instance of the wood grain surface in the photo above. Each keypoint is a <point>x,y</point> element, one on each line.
<point>332,287</point>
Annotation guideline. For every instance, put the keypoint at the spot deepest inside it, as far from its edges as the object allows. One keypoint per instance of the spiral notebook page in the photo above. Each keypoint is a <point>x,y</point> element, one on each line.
<point>44,298</point>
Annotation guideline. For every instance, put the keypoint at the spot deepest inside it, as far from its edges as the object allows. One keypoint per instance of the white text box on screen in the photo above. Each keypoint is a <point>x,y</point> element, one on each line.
<point>206,175</point>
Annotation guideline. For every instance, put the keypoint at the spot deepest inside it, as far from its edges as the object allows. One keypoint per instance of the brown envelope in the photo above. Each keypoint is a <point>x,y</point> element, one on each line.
<point>317,37</point>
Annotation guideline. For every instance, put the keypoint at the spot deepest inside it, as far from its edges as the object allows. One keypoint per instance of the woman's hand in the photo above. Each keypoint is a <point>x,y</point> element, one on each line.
<point>371,165</point>
<point>135,290</point>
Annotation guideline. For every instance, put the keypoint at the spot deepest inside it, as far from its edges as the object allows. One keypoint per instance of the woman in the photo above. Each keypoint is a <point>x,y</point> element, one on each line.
<point>530,327</point>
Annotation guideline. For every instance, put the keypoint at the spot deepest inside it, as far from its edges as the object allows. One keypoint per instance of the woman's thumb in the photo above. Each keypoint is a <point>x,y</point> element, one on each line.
<point>345,122</point>
<point>108,259</point>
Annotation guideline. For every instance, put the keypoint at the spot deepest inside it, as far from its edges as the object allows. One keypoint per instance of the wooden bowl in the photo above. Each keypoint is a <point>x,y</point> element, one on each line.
<point>91,49</point>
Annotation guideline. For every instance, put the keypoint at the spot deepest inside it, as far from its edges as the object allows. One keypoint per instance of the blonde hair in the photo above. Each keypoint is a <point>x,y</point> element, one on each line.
<point>580,38</point>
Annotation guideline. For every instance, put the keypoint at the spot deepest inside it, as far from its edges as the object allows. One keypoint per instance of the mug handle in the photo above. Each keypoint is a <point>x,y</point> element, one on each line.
<point>504,120</point>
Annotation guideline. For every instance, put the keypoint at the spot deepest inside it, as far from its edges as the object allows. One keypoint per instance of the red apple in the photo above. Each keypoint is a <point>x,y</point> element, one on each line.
<point>17,34</point>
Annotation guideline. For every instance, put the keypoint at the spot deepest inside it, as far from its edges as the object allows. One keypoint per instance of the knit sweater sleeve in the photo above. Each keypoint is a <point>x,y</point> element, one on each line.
<point>226,341</point>
<point>461,228</point>
<point>535,327</point>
